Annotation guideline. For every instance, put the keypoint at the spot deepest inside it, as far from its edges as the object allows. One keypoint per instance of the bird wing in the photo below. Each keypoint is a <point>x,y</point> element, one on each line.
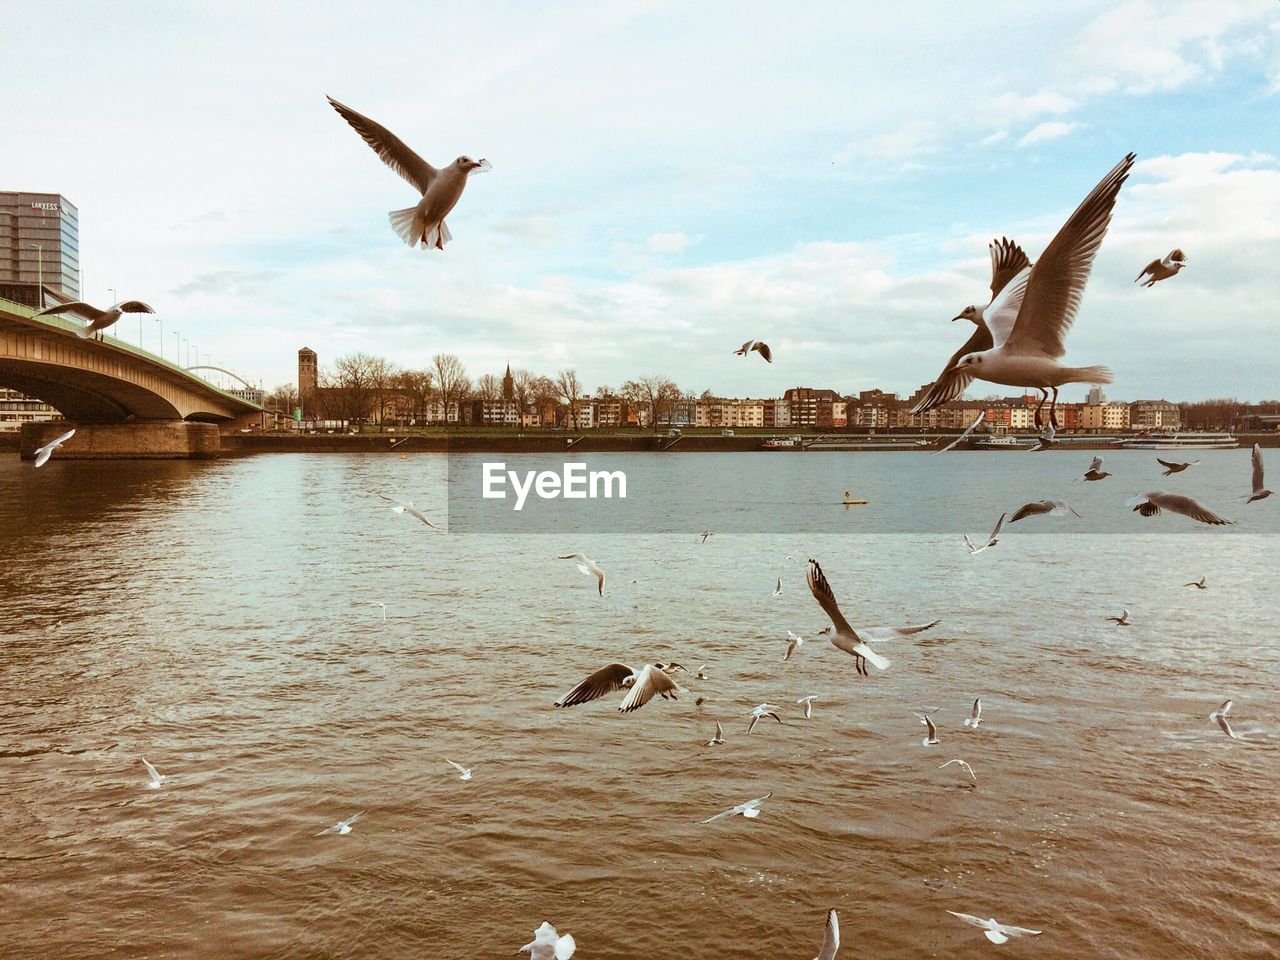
<point>996,532</point>
<point>59,441</point>
<point>354,817</point>
<point>821,591</point>
<point>1017,931</point>
<point>1002,312</point>
<point>1168,463</point>
<point>933,731</point>
<point>967,918</point>
<point>1007,261</point>
<point>601,683</point>
<point>1057,281</point>
<point>969,543</point>
<point>1030,510</point>
<point>977,708</point>
<point>155,774</point>
<point>719,731</point>
<point>1096,465</point>
<point>415,512</point>
<point>951,383</point>
<point>1257,469</point>
<point>133,306</point>
<point>830,938</point>
<point>389,147</point>
<point>75,306</point>
<point>764,350</point>
<point>982,415</point>
<point>721,816</point>
<point>1151,267</point>
<point>744,349</point>
<point>649,683</point>
<point>457,766</point>
<point>877,661</point>
<point>1186,506</point>
<point>880,634</point>
<point>565,947</point>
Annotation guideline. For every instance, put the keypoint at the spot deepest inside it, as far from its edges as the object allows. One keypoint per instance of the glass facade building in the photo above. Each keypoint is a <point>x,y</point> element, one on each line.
<point>40,240</point>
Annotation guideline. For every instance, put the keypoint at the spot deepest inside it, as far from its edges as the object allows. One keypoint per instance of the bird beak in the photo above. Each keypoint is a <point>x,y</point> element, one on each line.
<point>956,317</point>
<point>956,369</point>
<point>484,166</point>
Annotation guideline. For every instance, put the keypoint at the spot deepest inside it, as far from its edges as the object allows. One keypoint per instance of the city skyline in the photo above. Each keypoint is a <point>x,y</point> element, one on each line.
<point>667,215</point>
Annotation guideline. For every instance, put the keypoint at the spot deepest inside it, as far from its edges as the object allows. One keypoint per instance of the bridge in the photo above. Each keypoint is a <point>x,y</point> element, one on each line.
<point>123,400</point>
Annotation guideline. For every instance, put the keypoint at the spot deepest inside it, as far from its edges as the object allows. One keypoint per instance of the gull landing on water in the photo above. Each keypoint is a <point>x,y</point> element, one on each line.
<point>546,945</point>
<point>342,826</point>
<point>588,567</point>
<point>97,320</point>
<point>995,931</point>
<point>157,778</point>
<point>44,453</point>
<point>1158,270</point>
<point>750,809</point>
<point>1030,318</point>
<point>440,189</point>
<point>759,346</point>
<point>651,680</point>
<point>465,772</point>
<point>991,540</point>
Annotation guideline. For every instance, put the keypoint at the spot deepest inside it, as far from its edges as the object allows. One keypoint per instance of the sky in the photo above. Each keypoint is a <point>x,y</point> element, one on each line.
<point>669,179</point>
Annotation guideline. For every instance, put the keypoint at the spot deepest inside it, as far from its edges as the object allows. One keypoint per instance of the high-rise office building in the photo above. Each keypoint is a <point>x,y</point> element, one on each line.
<point>39,243</point>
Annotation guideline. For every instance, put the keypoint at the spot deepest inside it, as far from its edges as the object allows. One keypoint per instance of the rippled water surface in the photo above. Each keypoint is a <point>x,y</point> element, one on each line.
<point>220,619</point>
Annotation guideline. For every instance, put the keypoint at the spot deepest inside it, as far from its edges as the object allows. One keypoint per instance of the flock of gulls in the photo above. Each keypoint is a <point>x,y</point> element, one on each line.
<point>1018,340</point>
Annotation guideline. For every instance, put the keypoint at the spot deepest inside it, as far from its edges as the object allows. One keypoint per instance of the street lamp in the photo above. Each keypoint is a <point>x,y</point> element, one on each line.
<point>39,270</point>
<point>160,320</point>
<point>177,350</point>
<point>187,346</point>
<point>114,330</point>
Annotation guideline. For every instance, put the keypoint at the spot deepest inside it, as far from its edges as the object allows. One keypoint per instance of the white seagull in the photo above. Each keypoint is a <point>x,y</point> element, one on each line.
<point>1219,717</point>
<point>1007,262</point>
<point>1046,440</point>
<point>975,717</point>
<point>718,738</point>
<point>1042,508</point>
<point>1030,318</point>
<point>410,509</point>
<point>440,189</point>
<point>1260,492</point>
<point>795,642</point>
<point>808,704</point>
<point>546,945</point>
<point>844,637</point>
<point>44,453</point>
<point>378,603</point>
<point>465,772</point>
<point>704,535</point>
<point>1158,270</point>
<point>157,778</point>
<point>830,938</point>
<point>588,567</point>
<point>777,591</point>
<point>991,540</point>
<point>763,710</point>
<point>967,769</point>
<point>759,346</point>
<point>96,320</point>
<point>653,679</point>
<point>702,673</point>
<point>982,415</point>
<point>1199,584</point>
<point>931,738</point>
<point>342,826</point>
<point>1151,503</point>
<point>993,930</point>
<point>1171,466</point>
<point>750,809</point>
<point>1095,472</point>
<point>1122,620</point>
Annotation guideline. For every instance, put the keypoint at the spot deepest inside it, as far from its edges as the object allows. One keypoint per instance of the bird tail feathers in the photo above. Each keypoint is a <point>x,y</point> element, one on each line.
<point>84,333</point>
<point>877,661</point>
<point>1097,374</point>
<point>402,224</point>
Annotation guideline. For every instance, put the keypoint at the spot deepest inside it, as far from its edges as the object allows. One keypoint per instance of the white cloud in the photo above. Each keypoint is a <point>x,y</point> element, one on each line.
<point>1049,130</point>
<point>668,242</point>
<point>895,148</point>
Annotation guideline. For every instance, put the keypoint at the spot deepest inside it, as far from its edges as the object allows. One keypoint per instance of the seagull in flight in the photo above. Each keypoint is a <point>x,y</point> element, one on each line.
<point>378,603</point>
<point>931,738</point>
<point>777,591</point>
<point>975,717</point>
<point>342,826</point>
<point>157,778</point>
<point>993,930</point>
<point>464,772</point>
<point>1007,262</point>
<point>96,320</point>
<point>1260,492</point>
<point>1047,440</point>
<point>588,567</point>
<point>702,673</point>
<point>1042,508</point>
<point>982,415</point>
<point>967,769</point>
<point>410,509</point>
<point>1151,503</point>
<point>795,642</point>
<point>1122,620</point>
<point>763,710</point>
<point>759,346</point>
<point>440,189</point>
<point>44,453</point>
<point>653,679</point>
<point>1171,467</point>
<point>1158,270</point>
<point>546,945</point>
<point>705,534</point>
<point>718,738</point>
<point>1095,472</point>
<point>1219,717</point>
<point>808,704</point>
<point>1199,584</point>
<point>991,540</point>
<point>844,637</point>
<point>830,938</point>
<point>1030,318</point>
<point>750,809</point>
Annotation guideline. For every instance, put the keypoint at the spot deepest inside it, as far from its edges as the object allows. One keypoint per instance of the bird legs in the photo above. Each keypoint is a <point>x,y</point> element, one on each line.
<point>1044,397</point>
<point>1053,409</point>
<point>860,662</point>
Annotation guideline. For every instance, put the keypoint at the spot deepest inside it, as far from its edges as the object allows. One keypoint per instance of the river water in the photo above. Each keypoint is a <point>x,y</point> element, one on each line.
<point>220,619</point>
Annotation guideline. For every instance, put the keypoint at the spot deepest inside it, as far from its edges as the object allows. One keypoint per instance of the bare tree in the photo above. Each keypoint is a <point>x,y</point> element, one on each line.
<point>489,387</point>
<point>349,387</point>
<point>545,395</point>
<point>382,380</point>
<point>418,384</point>
<point>522,381</point>
<point>655,391</point>
<point>451,380</point>
<point>283,399</point>
<point>570,390</point>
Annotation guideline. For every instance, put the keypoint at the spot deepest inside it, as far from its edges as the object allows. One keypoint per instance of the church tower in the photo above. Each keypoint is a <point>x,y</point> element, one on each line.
<point>308,376</point>
<point>508,385</point>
